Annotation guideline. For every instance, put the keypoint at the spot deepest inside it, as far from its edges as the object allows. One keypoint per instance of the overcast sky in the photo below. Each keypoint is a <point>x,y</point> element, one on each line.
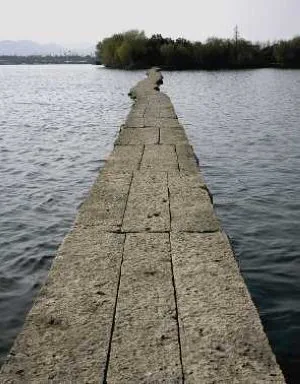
<point>71,21</point>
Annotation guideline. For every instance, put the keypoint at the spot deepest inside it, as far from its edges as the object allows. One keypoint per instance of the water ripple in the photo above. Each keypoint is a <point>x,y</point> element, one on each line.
<point>57,126</point>
<point>245,129</point>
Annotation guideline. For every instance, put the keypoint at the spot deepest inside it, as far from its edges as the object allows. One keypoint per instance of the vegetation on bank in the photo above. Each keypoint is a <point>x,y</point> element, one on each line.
<point>48,59</point>
<point>133,50</point>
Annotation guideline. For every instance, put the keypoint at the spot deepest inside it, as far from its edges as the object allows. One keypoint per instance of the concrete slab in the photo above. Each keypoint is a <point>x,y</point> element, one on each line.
<point>66,335</point>
<point>168,112</point>
<point>76,333</point>
<point>105,205</point>
<point>152,121</point>
<point>161,98</point>
<point>145,345</point>
<point>159,122</point>
<point>222,339</point>
<point>148,87</point>
<point>169,123</point>
<point>173,136</point>
<point>137,111</point>
<point>134,136</point>
<point>190,204</point>
<point>186,159</point>
<point>135,122</point>
<point>123,159</point>
<point>152,111</point>
<point>159,158</point>
<point>148,204</point>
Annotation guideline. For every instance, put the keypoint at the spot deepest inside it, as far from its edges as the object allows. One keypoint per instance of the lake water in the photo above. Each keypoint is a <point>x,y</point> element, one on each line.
<point>245,127</point>
<point>57,126</point>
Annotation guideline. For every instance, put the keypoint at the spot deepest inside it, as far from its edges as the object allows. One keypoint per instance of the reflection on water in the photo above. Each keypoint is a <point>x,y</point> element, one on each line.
<point>245,127</point>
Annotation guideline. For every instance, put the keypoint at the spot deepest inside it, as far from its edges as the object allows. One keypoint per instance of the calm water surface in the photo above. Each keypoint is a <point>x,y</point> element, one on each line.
<point>245,127</point>
<point>57,125</point>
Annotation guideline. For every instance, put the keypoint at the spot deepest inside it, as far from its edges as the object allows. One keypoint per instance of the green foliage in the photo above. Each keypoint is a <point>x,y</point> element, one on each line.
<point>132,49</point>
<point>287,53</point>
<point>122,50</point>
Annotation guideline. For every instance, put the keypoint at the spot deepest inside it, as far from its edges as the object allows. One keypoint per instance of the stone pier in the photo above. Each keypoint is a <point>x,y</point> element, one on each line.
<point>145,288</point>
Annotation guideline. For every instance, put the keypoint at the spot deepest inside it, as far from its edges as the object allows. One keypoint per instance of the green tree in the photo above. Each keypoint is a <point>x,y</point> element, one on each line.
<point>287,53</point>
<point>132,49</point>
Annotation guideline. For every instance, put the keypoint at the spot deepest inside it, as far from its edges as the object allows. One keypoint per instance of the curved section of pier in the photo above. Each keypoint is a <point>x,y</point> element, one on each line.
<point>145,288</point>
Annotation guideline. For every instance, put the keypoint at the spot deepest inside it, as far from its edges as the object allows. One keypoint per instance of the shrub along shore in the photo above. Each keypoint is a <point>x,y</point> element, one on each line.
<point>133,50</point>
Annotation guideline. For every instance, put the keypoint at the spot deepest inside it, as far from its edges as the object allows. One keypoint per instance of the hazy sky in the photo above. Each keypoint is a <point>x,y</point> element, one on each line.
<point>71,21</point>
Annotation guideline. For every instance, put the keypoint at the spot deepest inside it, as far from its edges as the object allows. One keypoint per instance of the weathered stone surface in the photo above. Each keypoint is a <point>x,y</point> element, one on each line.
<point>124,160</point>
<point>161,123</point>
<point>160,110</point>
<point>137,111</point>
<point>135,122</point>
<point>145,345</point>
<point>134,136</point>
<point>152,111</point>
<point>168,113</point>
<point>186,159</point>
<point>66,335</point>
<point>105,205</point>
<point>147,88</point>
<point>152,121</point>
<point>190,203</point>
<point>159,158</point>
<point>172,136</point>
<point>222,339</point>
<point>76,333</point>
<point>148,204</point>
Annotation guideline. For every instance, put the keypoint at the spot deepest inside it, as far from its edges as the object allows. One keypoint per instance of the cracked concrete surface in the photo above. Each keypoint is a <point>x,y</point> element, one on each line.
<point>145,288</point>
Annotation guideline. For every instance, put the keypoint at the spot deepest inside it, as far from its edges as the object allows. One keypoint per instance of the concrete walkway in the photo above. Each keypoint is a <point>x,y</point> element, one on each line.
<point>145,288</point>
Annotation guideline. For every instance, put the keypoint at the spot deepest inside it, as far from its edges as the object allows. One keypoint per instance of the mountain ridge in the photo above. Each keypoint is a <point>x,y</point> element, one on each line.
<point>29,48</point>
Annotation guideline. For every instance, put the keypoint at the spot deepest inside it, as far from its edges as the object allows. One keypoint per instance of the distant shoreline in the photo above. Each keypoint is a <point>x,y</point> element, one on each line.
<point>91,60</point>
<point>134,50</point>
<point>41,60</point>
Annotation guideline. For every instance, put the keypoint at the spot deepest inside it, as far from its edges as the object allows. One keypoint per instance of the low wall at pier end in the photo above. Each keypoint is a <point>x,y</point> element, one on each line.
<point>145,287</point>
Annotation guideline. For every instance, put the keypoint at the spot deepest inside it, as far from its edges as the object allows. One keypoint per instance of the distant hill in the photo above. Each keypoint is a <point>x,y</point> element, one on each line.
<point>81,49</point>
<point>28,48</point>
